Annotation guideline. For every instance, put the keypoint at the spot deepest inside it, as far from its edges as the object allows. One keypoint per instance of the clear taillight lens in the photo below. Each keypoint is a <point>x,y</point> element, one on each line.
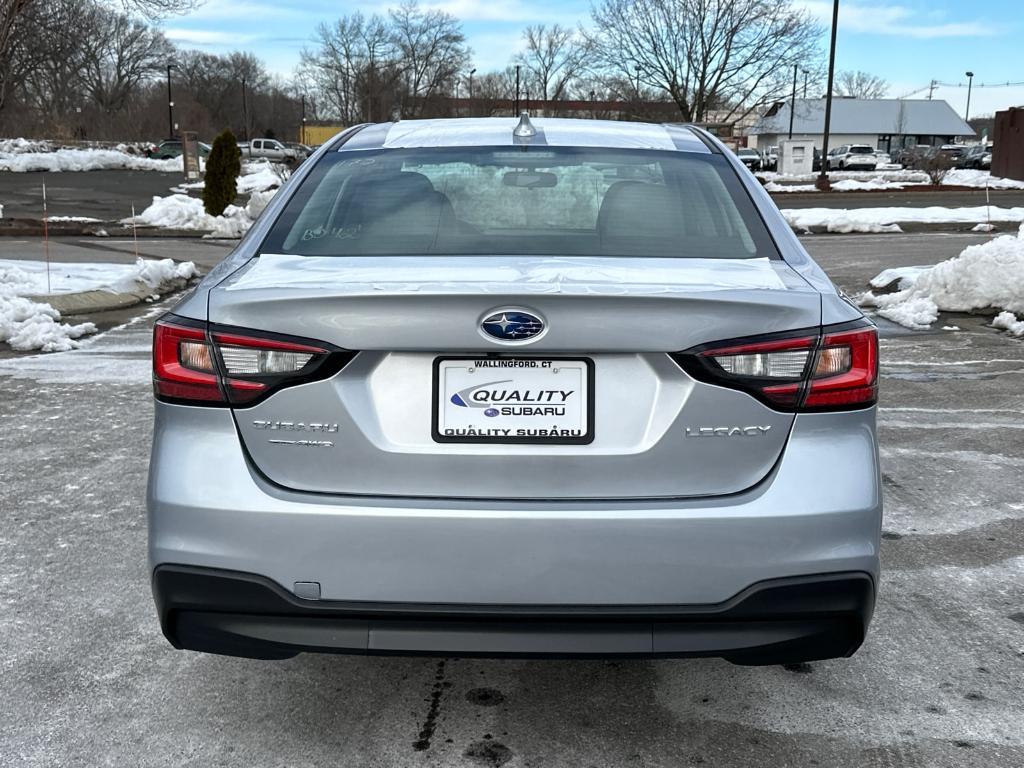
<point>240,361</point>
<point>770,365</point>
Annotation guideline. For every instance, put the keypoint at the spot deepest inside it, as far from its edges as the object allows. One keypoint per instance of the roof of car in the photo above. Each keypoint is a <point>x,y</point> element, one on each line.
<point>550,131</point>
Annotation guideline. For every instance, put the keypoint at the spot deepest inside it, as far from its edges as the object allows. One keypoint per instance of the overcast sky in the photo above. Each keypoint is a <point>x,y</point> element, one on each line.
<point>909,43</point>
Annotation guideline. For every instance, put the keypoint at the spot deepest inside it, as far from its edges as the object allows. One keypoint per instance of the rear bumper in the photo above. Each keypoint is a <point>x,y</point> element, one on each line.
<point>773,622</point>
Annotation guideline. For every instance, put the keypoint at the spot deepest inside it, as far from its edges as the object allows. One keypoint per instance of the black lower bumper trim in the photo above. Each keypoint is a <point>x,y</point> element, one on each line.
<point>773,622</point>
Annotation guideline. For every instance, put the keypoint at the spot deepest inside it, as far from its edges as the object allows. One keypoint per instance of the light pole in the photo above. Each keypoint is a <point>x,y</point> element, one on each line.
<point>170,104</point>
<point>471,73</point>
<point>970,82</point>
<point>792,104</point>
<point>822,182</point>
<point>245,116</point>
<point>516,113</point>
<point>636,68</point>
<point>806,73</point>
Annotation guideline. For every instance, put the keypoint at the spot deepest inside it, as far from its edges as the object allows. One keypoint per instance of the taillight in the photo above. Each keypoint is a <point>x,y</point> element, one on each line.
<point>832,369</point>
<point>201,365</point>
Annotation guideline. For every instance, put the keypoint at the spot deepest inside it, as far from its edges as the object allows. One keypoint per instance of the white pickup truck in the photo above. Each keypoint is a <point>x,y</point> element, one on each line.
<point>268,149</point>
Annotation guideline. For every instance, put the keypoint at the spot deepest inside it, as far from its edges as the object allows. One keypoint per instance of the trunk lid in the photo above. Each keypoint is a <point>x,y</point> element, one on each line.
<point>650,420</point>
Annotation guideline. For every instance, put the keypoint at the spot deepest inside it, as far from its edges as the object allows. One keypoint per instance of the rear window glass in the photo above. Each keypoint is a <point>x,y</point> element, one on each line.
<point>862,150</point>
<point>517,201</point>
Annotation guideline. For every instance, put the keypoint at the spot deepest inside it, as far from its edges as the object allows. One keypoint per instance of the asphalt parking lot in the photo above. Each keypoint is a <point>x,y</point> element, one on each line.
<point>109,195</point>
<point>87,679</point>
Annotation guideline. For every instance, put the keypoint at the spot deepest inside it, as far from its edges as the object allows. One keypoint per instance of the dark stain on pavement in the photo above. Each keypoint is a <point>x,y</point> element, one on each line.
<point>422,743</point>
<point>801,668</point>
<point>488,753</point>
<point>485,697</point>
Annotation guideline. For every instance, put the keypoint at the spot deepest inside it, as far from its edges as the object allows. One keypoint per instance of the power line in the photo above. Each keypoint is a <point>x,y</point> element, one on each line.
<point>939,84</point>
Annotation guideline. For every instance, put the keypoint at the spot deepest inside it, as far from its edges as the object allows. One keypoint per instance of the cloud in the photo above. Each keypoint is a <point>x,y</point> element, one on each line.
<point>206,36</point>
<point>894,20</point>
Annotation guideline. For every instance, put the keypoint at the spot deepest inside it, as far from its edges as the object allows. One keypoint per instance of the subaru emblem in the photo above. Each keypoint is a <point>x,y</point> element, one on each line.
<point>512,326</point>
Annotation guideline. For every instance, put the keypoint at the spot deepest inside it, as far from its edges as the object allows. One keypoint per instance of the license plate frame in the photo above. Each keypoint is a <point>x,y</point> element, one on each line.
<point>588,409</point>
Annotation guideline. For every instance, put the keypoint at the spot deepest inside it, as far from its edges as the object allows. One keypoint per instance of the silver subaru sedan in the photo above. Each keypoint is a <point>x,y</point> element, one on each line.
<point>517,387</point>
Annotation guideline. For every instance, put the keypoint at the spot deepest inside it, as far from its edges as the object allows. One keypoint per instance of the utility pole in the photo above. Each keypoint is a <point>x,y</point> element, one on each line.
<point>806,73</point>
<point>970,82</point>
<point>823,183</point>
<point>302,126</point>
<point>931,88</point>
<point>170,104</point>
<point>516,111</point>
<point>792,104</point>
<point>245,115</point>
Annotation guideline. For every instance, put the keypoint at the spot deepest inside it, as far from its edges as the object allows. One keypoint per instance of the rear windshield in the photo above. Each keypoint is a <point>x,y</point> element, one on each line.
<point>862,150</point>
<point>514,201</point>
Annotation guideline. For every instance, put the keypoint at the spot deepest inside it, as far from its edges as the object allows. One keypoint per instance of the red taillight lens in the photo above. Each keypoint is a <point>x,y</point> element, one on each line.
<point>846,371</point>
<point>833,369</point>
<point>221,367</point>
<point>183,366</point>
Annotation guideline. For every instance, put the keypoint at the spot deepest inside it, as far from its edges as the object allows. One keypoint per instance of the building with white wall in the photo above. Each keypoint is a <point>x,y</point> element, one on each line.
<point>887,124</point>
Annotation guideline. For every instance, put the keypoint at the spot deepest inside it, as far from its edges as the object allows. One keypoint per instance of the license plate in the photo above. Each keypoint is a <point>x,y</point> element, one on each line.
<point>544,400</point>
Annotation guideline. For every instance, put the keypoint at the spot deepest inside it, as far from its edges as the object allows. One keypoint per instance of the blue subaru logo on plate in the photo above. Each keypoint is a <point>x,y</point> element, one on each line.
<point>512,325</point>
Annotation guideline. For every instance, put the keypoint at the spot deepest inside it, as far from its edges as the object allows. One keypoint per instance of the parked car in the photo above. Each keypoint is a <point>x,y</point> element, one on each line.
<point>771,158</point>
<point>268,149</point>
<point>852,157</point>
<point>301,150</point>
<point>671,453</point>
<point>952,152</point>
<point>913,157</point>
<point>978,157</point>
<point>882,158</point>
<point>750,158</point>
<point>173,148</point>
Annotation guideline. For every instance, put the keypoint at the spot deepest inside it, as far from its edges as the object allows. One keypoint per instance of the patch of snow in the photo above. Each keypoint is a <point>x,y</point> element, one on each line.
<point>772,186</point>
<point>26,324</point>
<point>184,212</point>
<point>28,278</point>
<point>1007,321</point>
<point>981,179</point>
<point>876,219</point>
<point>906,277</point>
<point>951,327</point>
<point>84,160</point>
<point>85,219</point>
<point>985,276</point>
<point>856,185</point>
<point>983,228</point>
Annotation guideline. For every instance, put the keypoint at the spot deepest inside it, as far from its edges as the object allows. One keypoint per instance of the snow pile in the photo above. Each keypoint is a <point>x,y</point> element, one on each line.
<point>180,211</point>
<point>21,161</point>
<point>25,324</point>
<point>903,277</point>
<point>184,212</point>
<point>887,219</point>
<point>1007,321</point>
<point>985,276</point>
<point>877,183</point>
<point>16,146</point>
<point>158,275</point>
<point>979,179</point>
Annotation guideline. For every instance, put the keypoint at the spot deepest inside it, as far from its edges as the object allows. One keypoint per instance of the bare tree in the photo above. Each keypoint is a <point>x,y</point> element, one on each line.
<point>431,50</point>
<point>860,85</point>
<point>125,53</point>
<point>554,58</point>
<point>11,20</point>
<point>352,66</point>
<point>726,56</point>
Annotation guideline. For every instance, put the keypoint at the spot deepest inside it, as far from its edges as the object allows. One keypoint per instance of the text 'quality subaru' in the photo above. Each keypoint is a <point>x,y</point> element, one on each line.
<point>510,387</point>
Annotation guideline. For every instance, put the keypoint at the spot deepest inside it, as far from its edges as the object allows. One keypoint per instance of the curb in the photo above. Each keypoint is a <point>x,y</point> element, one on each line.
<point>34,228</point>
<point>920,227</point>
<point>98,300</point>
